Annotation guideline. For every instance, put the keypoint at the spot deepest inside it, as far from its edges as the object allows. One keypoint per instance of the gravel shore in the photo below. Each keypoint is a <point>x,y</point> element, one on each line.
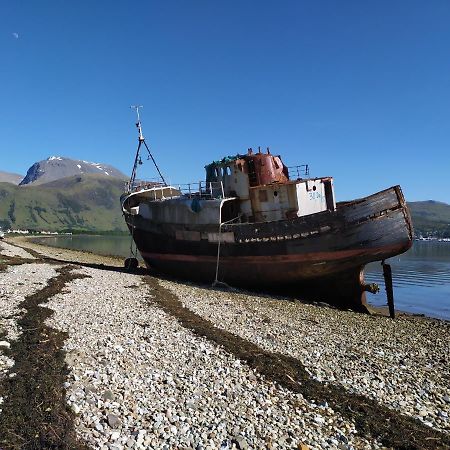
<point>16,283</point>
<point>139,379</point>
<point>403,363</point>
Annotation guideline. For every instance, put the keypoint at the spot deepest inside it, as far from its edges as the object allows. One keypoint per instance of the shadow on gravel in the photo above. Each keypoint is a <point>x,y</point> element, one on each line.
<point>371,419</point>
<point>34,413</point>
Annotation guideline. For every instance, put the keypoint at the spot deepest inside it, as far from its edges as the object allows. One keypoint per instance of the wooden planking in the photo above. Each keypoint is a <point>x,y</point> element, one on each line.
<point>370,206</point>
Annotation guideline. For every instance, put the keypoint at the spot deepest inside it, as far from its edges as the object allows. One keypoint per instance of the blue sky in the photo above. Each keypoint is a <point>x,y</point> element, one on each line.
<point>358,90</point>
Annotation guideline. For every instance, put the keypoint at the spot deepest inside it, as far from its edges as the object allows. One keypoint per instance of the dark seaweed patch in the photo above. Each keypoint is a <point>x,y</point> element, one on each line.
<point>371,419</point>
<point>35,414</point>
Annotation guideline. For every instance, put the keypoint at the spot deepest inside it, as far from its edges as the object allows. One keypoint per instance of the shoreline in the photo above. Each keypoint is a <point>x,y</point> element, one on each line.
<point>315,360</point>
<point>374,309</point>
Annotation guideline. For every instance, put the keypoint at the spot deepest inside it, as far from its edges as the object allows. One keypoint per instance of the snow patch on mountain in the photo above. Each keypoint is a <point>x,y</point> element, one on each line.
<point>56,167</point>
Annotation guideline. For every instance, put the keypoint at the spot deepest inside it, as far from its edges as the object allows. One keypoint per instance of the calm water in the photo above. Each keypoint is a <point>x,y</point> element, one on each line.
<point>421,276</point>
<point>101,245</point>
<point>421,279</point>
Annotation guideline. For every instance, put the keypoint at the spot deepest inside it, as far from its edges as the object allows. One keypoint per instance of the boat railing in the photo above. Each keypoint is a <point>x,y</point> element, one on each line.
<point>199,189</point>
<point>202,189</point>
<point>298,172</point>
<point>140,185</point>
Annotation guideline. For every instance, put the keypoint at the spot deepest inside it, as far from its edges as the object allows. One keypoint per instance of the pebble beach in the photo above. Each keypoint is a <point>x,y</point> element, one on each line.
<point>137,375</point>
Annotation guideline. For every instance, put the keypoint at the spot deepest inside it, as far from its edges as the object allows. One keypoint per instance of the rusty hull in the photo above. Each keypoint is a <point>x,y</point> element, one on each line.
<point>320,257</point>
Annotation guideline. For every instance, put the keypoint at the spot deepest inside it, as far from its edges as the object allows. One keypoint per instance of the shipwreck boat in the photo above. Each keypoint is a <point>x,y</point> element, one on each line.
<point>254,222</point>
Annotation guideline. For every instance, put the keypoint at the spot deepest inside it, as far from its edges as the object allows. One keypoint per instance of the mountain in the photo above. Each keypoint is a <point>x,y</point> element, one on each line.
<point>430,218</point>
<point>56,167</point>
<point>88,201</point>
<point>85,202</point>
<point>6,177</point>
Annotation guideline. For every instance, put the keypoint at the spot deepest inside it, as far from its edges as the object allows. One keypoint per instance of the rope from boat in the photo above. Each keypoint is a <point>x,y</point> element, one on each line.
<point>132,253</point>
<point>216,280</point>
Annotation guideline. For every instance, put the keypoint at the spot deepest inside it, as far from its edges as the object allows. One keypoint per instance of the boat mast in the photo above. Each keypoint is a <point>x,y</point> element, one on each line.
<point>137,159</point>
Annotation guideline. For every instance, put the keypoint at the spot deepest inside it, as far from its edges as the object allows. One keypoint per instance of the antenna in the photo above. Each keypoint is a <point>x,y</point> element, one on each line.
<point>137,159</point>
<point>138,124</point>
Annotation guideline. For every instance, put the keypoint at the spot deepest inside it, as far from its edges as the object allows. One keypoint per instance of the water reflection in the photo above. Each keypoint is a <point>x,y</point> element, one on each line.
<point>101,245</point>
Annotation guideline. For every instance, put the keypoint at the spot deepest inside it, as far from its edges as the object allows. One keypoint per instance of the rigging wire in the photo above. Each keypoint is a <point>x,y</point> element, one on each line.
<point>137,162</point>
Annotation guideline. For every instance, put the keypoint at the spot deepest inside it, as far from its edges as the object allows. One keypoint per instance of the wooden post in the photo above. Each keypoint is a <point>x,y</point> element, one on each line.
<point>387,273</point>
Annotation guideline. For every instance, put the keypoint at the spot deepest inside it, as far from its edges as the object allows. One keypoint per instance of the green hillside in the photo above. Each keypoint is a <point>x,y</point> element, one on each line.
<point>88,203</point>
<point>430,218</point>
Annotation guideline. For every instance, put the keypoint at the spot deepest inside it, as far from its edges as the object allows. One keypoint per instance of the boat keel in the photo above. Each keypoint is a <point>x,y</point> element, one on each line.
<point>345,290</point>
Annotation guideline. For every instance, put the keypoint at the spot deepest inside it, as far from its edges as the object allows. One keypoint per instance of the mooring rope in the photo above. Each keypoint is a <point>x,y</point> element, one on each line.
<point>216,280</point>
<point>132,253</point>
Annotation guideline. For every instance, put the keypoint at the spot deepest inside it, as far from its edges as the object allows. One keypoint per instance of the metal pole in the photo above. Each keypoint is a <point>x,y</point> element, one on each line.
<point>133,173</point>
<point>142,139</point>
<point>387,273</point>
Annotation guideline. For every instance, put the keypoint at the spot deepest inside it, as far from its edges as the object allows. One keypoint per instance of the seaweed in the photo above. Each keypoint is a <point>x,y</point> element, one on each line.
<point>371,419</point>
<point>35,413</point>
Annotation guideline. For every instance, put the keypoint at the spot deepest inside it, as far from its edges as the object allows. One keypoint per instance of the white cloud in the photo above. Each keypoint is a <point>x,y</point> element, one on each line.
<point>15,35</point>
